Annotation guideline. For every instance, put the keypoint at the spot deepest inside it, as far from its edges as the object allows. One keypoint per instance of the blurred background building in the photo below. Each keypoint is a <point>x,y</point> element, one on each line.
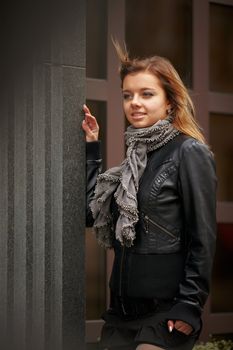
<point>197,36</point>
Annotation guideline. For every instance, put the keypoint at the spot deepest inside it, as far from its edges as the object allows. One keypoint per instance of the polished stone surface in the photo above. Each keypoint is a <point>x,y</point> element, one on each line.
<point>42,184</point>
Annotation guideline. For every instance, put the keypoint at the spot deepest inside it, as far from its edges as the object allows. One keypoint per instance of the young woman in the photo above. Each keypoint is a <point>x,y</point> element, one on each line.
<point>156,210</point>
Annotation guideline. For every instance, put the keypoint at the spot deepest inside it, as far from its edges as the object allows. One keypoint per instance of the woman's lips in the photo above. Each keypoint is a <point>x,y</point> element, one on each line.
<point>137,115</point>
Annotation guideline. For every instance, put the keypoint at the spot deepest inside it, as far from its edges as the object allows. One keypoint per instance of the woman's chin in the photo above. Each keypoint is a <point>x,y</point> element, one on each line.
<point>141,124</point>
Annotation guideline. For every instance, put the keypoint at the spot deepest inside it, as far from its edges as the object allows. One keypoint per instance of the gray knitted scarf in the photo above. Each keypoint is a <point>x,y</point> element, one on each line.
<point>123,182</point>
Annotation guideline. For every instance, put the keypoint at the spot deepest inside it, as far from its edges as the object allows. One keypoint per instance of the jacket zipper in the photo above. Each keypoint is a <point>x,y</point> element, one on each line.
<point>147,220</point>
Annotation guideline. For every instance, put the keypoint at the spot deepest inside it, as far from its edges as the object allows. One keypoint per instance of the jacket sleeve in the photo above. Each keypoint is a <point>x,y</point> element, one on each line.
<point>94,162</point>
<point>197,180</point>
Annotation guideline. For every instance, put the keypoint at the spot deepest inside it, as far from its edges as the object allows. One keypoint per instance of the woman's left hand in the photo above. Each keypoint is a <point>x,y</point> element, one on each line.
<point>181,326</point>
<point>90,125</point>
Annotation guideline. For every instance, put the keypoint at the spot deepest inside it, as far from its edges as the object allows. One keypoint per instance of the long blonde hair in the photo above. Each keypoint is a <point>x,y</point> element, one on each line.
<point>182,108</point>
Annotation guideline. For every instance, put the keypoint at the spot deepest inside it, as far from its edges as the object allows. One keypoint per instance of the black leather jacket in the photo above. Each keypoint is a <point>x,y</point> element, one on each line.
<point>172,255</point>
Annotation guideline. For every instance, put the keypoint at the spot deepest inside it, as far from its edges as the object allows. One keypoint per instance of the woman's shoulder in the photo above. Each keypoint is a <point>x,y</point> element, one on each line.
<point>195,154</point>
<point>184,146</point>
<point>190,145</point>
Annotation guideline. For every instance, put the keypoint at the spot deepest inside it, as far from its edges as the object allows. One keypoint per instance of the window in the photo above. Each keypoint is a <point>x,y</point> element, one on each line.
<point>164,28</point>
<point>221,141</point>
<point>221,48</point>
<point>96,39</point>
<point>222,285</point>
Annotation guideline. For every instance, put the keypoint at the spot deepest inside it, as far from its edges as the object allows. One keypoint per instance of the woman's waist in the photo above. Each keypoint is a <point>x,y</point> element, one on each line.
<point>132,308</point>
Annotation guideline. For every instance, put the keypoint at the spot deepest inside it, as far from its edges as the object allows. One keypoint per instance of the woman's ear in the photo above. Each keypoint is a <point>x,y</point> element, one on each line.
<point>169,109</point>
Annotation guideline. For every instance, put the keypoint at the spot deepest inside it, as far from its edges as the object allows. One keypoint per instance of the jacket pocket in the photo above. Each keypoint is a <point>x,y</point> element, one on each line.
<point>160,239</point>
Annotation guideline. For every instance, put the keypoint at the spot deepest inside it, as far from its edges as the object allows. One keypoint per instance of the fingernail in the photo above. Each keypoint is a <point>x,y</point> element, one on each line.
<point>170,329</point>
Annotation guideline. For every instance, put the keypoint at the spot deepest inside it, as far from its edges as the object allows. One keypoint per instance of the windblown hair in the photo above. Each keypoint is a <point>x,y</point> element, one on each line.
<point>182,108</point>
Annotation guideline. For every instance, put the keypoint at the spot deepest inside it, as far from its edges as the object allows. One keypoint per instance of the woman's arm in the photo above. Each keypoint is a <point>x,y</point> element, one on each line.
<point>94,162</point>
<point>93,157</point>
<point>198,193</point>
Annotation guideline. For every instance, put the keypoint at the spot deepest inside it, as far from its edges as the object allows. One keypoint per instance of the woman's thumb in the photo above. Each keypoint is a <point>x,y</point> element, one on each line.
<point>170,325</point>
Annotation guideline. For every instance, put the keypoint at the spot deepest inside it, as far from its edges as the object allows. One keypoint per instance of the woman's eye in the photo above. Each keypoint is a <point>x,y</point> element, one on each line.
<point>147,94</point>
<point>126,96</point>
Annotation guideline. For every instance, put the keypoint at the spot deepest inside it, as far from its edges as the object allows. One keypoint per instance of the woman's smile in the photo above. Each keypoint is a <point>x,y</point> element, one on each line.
<point>138,115</point>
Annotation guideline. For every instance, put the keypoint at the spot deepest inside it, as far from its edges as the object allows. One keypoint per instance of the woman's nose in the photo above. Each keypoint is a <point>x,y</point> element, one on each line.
<point>135,101</point>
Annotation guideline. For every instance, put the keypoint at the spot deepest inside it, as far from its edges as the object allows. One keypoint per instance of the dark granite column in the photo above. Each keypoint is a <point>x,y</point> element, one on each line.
<point>42,177</point>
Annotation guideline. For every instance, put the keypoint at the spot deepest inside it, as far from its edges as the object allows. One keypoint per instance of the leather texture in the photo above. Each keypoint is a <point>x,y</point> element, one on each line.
<point>173,251</point>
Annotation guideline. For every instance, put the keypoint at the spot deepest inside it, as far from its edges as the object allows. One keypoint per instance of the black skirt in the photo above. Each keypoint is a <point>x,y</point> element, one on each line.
<point>124,331</point>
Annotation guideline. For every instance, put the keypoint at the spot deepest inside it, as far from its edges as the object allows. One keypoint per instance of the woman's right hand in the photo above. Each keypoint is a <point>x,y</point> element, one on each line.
<point>90,126</point>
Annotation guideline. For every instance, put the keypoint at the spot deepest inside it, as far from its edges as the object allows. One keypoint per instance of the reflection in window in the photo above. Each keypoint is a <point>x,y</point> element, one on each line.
<point>95,255</point>
<point>221,141</point>
<point>222,282</point>
<point>221,48</point>
<point>164,28</point>
<point>96,39</point>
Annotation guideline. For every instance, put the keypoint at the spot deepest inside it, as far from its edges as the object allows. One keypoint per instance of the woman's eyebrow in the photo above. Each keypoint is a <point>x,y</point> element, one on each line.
<point>141,89</point>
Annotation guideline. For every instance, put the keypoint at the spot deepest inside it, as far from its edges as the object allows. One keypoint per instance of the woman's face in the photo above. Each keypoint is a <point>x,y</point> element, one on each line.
<point>144,99</point>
